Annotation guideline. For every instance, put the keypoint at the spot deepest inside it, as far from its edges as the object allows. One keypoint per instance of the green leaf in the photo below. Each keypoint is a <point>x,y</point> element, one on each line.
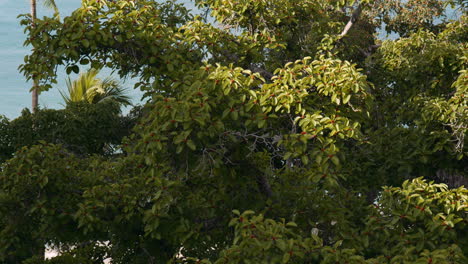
<point>170,67</point>
<point>318,159</point>
<point>286,258</point>
<point>261,123</point>
<point>85,43</point>
<point>346,98</point>
<point>280,244</point>
<point>234,115</point>
<point>191,145</point>
<point>335,160</point>
<point>179,148</point>
<point>338,244</point>
<point>84,61</point>
<point>75,69</point>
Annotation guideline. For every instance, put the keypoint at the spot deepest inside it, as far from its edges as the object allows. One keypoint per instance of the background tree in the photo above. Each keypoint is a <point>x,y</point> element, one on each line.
<point>269,142</point>
<point>83,129</point>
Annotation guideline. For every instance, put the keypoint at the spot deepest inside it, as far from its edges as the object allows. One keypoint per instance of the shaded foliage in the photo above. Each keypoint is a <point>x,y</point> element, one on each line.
<point>81,127</point>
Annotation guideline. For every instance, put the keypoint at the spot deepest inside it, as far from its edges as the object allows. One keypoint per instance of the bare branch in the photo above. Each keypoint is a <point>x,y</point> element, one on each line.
<point>352,20</point>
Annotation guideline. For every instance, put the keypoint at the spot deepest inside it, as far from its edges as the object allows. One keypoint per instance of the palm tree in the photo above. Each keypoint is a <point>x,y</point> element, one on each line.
<point>87,87</point>
<point>50,4</point>
<point>40,250</point>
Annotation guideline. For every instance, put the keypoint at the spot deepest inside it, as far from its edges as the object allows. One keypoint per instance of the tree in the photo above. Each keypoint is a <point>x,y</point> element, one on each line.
<point>88,88</point>
<point>51,4</point>
<point>287,132</point>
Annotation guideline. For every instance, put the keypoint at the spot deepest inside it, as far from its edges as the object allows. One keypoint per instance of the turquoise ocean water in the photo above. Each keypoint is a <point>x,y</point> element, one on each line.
<point>14,90</point>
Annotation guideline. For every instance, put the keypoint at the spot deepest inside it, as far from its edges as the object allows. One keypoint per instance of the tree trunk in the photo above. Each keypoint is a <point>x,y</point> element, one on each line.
<point>451,178</point>
<point>35,96</point>
<point>40,250</point>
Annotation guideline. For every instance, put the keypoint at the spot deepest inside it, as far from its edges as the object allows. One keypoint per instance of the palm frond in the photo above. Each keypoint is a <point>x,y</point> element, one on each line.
<point>114,91</point>
<point>52,5</point>
<point>67,98</point>
<point>87,87</point>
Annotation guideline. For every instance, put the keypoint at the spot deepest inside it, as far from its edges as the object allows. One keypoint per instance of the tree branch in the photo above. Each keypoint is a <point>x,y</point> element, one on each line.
<point>370,50</point>
<point>264,185</point>
<point>352,20</point>
<point>210,223</point>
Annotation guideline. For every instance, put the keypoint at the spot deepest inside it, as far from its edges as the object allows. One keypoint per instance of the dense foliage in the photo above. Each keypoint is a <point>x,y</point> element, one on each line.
<point>81,128</point>
<point>268,137</point>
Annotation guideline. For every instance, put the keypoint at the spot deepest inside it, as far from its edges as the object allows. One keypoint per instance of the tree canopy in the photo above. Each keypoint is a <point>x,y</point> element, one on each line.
<point>282,132</point>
